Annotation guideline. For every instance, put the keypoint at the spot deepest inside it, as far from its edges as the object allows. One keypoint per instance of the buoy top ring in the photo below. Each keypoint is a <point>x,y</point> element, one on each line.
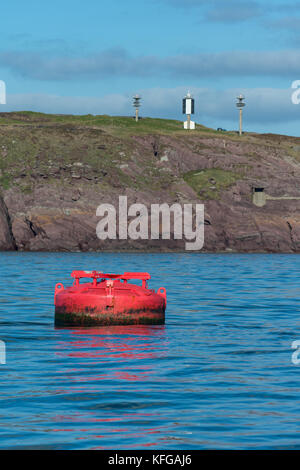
<point>100,275</point>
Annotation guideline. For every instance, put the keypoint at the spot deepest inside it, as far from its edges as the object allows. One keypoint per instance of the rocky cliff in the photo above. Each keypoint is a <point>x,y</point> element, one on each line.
<point>56,170</point>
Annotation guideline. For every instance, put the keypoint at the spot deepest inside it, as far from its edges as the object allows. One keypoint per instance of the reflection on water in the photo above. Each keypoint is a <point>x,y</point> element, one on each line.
<point>138,342</point>
<point>134,342</point>
<point>127,347</point>
<point>217,375</point>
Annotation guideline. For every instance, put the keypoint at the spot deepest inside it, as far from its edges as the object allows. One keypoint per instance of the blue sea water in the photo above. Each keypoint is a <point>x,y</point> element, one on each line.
<point>217,375</point>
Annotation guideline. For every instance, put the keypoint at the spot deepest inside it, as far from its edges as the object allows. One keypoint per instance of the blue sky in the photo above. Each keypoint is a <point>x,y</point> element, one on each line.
<point>91,57</point>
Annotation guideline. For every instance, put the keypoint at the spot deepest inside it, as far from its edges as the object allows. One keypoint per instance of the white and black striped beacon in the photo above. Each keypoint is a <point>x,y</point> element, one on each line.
<point>188,108</point>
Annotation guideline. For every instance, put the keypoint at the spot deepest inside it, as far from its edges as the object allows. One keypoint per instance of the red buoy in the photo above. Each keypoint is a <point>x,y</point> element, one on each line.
<point>109,300</point>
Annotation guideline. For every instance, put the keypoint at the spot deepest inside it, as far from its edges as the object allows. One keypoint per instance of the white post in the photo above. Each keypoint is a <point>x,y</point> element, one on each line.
<point>241,121</point>
<point>188,121</point>
<point>240,104</point>
<point>136,104</point>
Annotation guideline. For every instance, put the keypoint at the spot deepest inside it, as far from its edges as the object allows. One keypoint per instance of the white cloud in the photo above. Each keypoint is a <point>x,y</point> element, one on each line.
<point>118,63</point>
<point>46,103</point>
<point>229,11</point>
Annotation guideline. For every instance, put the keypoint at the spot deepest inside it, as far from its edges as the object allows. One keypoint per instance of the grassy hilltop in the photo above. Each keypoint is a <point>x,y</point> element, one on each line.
<point>36,144</point>
<point>56,169</point>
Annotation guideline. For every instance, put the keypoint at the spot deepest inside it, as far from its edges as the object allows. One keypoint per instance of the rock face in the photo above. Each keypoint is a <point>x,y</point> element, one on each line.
<point>54,176</point>
<point>6,237</point>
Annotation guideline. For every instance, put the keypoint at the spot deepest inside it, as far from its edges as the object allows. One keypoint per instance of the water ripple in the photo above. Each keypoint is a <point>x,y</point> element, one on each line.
<point>217,375</point>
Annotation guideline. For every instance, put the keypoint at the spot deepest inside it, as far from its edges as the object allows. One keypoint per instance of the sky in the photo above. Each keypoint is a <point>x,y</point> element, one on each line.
<point>91,57</point>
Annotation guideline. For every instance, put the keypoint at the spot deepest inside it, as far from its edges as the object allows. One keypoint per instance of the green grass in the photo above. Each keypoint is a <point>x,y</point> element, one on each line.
<point>293,151</point>
<point>122,124</point>
<point>52,151</point>
<point>37,147</point>
<point>5,181</point>
<point>209,183</point>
